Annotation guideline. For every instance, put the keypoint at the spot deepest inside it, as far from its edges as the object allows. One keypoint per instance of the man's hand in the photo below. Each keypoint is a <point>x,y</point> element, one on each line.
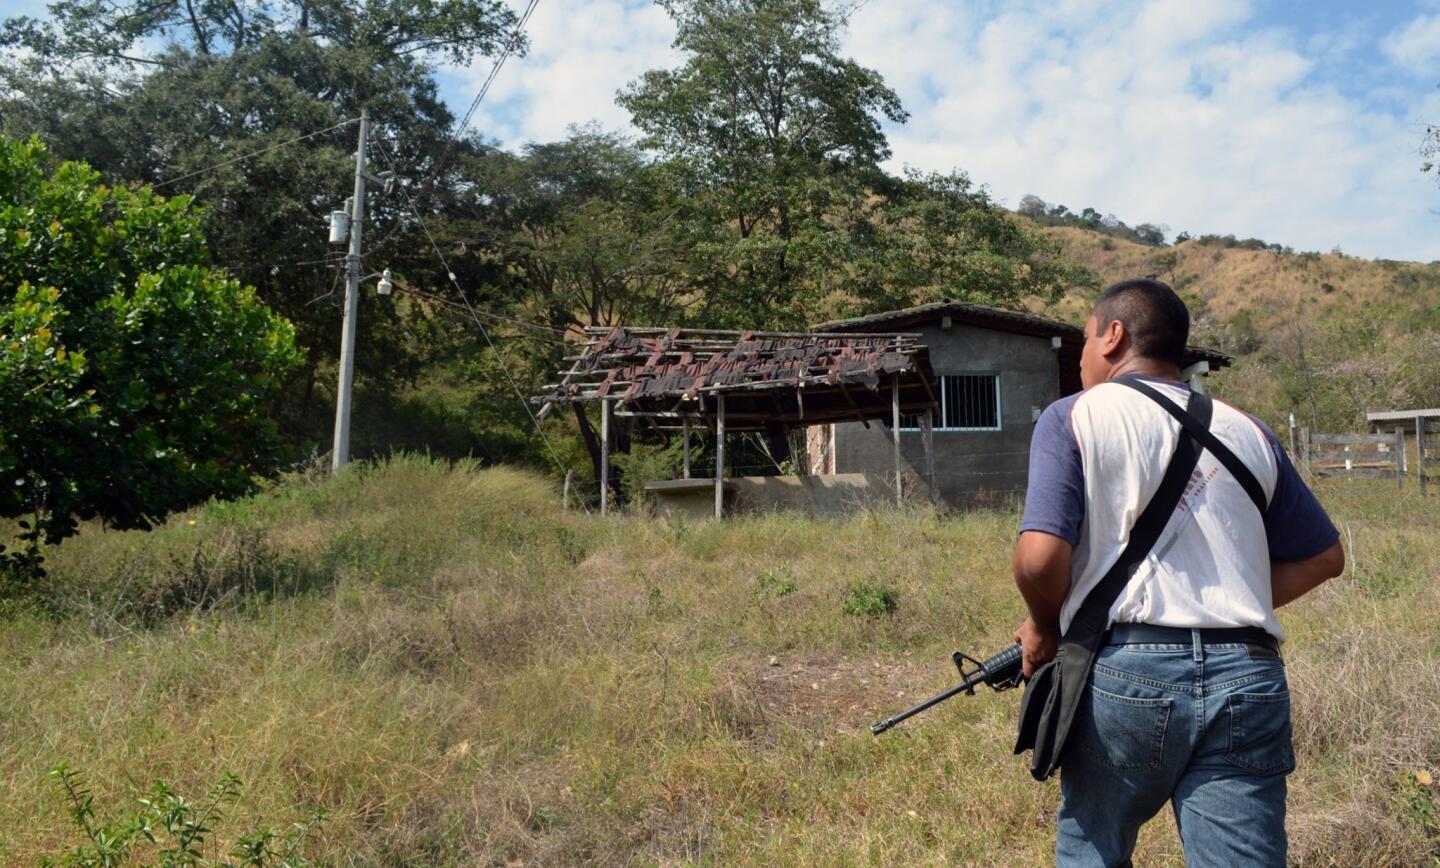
<point>1042,573</point>
<point>1038,645</point>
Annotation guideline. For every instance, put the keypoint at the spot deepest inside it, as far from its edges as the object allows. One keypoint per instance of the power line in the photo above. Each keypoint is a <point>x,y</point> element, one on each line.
<point>478,324</point>
<point>274,147</point>
<point>545,333</point>
<point>429,185</point>
<point>334,282</point>
<point>510,47</point>
<point>551,333</point>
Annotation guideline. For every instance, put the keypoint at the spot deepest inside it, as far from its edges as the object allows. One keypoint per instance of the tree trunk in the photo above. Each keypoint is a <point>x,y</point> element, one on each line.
<point>620,439</point>
<point>587,434</point>
<point>779,441</point>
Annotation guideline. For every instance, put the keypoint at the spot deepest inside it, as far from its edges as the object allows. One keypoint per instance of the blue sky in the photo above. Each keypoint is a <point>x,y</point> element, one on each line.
<point>1295,122</point>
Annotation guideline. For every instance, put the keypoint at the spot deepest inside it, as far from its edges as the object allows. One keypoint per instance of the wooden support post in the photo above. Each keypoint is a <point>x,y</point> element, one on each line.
<point>927,438</point>
<point>1400,458</point>
<point>604,456</point>
<point>685,445</point>
<point>1294,453</point>
<point>895,433</point>
<point>1420,452</point>
<point>720,455</point>
<point>1305,447</point>
<point>565,498</point>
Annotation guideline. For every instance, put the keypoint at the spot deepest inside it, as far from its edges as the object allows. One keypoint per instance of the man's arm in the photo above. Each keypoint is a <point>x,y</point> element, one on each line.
<point>1049,530</point>
<point>1304,543</point>
<point>1042,573</point>
<point>1289,580</point>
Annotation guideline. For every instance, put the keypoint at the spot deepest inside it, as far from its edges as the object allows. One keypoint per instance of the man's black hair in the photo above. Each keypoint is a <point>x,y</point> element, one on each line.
<point>1153,315</point>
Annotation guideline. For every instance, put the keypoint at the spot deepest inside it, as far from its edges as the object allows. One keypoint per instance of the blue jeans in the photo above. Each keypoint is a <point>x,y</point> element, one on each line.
<point>1205,727</point>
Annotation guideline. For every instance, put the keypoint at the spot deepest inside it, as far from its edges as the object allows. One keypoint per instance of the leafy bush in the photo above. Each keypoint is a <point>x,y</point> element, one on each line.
<point>135,379</point>
<point>171,827</point>
<point>644,463</point>
<point>775,583</point>
<point>871,601</point>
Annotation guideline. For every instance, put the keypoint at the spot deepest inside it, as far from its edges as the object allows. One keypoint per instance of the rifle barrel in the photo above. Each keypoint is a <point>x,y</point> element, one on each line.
<point>965,686</point>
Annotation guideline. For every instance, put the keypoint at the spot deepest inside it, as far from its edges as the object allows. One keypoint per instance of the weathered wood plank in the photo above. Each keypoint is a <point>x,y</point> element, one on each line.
<point>1370,456</point>
<point>1344,439</point>
<point>1420,449</point>
<point>1400,457</point>
<point>1359,473</point>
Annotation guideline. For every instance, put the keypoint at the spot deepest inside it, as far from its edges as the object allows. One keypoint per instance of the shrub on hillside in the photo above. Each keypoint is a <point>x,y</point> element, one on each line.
<point>168,825</point>
<point>871,601</point>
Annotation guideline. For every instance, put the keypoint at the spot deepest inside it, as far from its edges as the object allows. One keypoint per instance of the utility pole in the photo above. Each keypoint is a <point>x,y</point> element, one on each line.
<point>340,454</point>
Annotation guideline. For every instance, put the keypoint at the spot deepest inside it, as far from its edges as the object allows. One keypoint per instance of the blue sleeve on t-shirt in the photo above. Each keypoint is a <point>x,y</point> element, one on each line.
<point>1055,495</point>
<point>1296,525</point>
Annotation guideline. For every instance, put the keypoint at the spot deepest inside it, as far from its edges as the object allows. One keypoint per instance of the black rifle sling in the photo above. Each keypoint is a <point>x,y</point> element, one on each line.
<point>1202,433</point>
<point>1094,614</point>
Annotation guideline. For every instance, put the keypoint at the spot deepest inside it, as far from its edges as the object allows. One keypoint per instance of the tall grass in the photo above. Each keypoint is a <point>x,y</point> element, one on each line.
<point>460,673</point>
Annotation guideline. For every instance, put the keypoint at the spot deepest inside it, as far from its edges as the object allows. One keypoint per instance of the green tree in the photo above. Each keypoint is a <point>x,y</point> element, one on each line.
<point>587,231</point>
<point>936,236</point>
<point>588,235</point>
<point>776,140</point>
<point>154,91</point>
<point>135,379</point>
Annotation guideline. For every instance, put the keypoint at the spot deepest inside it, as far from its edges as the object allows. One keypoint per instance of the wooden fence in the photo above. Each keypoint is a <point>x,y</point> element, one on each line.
<point>1427,452</point>
<point>1355,456</point>
<point>1373,456</point>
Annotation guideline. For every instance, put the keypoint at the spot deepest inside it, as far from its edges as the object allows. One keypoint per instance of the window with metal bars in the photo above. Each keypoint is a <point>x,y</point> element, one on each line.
<point>968,402</point>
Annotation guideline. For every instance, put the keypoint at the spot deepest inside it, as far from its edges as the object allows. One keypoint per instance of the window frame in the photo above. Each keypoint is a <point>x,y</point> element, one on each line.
<point>999,403</point>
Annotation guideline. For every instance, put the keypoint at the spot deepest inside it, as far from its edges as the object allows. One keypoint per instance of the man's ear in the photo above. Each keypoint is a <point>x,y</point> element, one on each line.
<point>1113,339</point>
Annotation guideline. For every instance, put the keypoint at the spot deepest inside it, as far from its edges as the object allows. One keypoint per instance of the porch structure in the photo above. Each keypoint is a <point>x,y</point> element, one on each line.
<point>721,382</point>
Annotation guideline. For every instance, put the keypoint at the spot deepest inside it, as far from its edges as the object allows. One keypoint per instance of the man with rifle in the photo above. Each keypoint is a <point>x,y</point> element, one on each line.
<point>1161,532</point>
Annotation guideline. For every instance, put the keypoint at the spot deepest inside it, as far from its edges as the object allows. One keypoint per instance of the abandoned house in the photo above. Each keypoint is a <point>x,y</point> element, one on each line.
<point>997,370</point>
<point>936,401</point>
<point>717,384</point>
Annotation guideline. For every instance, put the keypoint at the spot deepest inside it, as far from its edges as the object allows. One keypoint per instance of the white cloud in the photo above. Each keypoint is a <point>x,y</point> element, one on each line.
<point>1171,112</point>
<point>582,52</point>
<point>1416,45</point>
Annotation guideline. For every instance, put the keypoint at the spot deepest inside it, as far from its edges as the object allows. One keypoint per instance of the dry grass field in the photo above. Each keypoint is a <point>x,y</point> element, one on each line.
<point>460,673</point>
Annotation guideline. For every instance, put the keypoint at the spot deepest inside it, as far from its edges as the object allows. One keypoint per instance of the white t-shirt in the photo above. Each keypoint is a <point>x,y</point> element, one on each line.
<point>1097,459</point>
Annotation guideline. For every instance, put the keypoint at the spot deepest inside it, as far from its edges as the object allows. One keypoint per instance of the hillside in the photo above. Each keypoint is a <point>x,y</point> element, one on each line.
<point>1327,337</point>
<point>462,674</point>
<point>1272,285</point>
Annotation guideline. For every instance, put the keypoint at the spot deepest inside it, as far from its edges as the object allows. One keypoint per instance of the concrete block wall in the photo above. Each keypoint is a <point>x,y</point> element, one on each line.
<point>969,465</point>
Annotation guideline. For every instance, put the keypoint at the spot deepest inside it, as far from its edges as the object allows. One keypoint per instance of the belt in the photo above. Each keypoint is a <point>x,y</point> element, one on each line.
<point>1154,634</point>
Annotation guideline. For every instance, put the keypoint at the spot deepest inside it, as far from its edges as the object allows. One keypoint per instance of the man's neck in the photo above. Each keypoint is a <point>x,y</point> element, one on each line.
<point>1143,367</point>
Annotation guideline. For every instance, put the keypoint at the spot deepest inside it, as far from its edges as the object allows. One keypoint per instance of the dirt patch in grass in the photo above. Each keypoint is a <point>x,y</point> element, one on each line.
<point>832,691</point>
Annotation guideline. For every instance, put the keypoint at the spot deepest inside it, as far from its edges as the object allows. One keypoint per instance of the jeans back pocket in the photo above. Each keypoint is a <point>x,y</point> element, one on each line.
<point>1260,736</point>
<point>1124,732</point>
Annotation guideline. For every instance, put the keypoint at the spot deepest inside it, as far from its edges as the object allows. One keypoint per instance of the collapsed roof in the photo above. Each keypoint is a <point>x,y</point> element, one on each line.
<point>673,376</point>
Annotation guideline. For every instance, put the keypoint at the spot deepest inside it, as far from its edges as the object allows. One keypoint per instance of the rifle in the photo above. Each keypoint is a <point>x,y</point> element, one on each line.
<point>1000,672</point>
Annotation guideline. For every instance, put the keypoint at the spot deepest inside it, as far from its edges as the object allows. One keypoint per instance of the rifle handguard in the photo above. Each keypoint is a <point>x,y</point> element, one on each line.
<point>1000,672</point>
